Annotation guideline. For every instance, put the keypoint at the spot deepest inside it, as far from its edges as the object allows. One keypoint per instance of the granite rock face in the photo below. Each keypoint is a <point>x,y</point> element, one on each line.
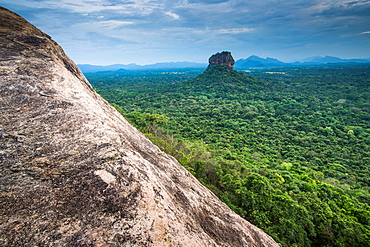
<point>74,172</point>
<point>222,58</point>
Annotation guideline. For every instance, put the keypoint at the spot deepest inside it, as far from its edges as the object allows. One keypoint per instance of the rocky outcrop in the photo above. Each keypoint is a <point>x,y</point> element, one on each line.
<point>74,172</point>
<point>224,58</point>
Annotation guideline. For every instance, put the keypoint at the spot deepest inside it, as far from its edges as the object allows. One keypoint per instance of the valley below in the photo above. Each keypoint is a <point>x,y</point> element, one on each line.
<point>285,148</point>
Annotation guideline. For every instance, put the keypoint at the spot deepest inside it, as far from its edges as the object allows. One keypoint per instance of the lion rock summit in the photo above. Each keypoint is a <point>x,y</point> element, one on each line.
<point>222,58</point>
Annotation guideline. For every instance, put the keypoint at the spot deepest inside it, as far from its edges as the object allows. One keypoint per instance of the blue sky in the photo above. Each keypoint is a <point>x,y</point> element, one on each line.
<point>106,32</point>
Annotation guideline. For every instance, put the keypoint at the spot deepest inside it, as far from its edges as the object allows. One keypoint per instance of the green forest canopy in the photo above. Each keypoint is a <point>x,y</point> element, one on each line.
<point>287,149</point>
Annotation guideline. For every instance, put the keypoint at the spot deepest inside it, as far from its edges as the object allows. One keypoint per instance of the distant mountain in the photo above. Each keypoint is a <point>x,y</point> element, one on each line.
<point>250,62</point>
<point>170,65</point>
<point>331,59</point>
<point>88,68</point>
<point>255,61</point>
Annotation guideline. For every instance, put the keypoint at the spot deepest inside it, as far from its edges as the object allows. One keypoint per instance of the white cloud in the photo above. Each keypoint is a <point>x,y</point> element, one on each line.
<point>194,27</point>
<point>112,24</point>
<point>173,15</point>
<point>81,28</point>
<point>234,30</point>
<point>141,7</point>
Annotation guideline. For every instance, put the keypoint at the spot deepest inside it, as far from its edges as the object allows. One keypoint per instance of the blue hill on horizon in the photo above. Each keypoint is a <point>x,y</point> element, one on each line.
<point>250,62</point>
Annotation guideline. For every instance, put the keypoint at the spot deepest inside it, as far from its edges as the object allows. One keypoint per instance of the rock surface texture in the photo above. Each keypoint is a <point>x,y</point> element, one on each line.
<point>223,58</point>
<point>74,172</point>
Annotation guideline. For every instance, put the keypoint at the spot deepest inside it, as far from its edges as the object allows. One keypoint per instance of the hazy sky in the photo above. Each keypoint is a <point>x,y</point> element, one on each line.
<point>149,31</point>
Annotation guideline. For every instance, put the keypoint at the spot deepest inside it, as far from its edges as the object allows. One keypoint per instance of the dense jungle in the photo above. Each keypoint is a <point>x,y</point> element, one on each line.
<point>288,149</point>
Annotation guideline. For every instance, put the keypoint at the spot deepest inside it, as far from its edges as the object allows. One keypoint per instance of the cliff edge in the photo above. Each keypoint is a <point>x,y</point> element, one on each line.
<point>74,172</point>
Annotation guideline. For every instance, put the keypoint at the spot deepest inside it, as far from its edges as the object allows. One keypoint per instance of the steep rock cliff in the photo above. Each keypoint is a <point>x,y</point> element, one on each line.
<point>74,172</point>
<point>222,58</point>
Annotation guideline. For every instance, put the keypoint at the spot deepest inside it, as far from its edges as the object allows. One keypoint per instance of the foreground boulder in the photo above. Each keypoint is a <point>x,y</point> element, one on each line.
<point>74,172</point>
